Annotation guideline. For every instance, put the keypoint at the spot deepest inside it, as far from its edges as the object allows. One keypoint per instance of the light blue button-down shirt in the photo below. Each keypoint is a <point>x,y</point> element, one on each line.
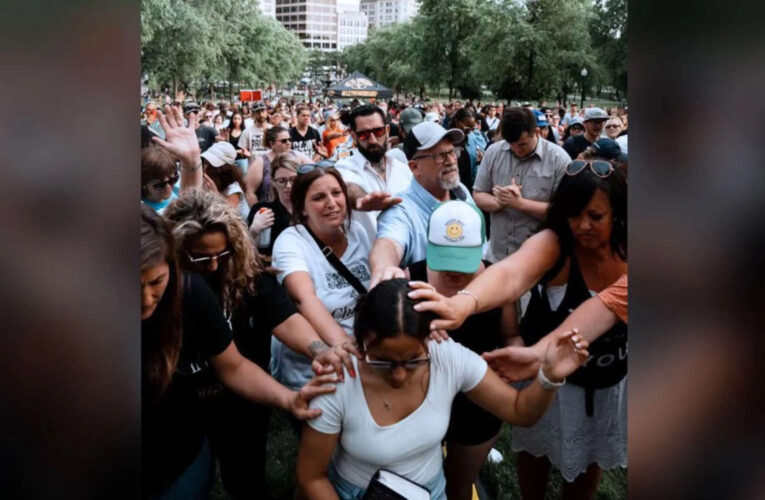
<point>407,222</point>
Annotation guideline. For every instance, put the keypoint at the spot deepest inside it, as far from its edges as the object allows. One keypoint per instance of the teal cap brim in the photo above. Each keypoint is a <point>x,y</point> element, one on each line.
<point>454,259</point>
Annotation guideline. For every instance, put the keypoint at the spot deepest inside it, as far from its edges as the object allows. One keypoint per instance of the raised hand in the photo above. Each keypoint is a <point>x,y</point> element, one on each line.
<point>564,354</point>
<point>514,363</point>
<point>298,404</point>
<point>376,200</point>
<point>181,142</point>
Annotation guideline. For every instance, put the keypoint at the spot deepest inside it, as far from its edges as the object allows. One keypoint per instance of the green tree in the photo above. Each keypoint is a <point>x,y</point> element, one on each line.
<point>608,29</point>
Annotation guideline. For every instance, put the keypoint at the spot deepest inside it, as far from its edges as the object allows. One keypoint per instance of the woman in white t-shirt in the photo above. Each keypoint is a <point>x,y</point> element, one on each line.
<point>320,292</point>
<point>223,176</point>
<point>395,414</point>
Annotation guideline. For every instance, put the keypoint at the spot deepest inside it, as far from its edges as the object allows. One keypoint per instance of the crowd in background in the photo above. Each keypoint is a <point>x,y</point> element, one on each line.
<point>275,235</point>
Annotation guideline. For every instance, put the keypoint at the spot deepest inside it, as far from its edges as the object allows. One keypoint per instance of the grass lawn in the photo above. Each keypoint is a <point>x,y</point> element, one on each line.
<point>499,480</point>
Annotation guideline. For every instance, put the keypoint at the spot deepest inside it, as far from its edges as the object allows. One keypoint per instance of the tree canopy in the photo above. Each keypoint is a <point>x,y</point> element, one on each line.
<point>191,42</point>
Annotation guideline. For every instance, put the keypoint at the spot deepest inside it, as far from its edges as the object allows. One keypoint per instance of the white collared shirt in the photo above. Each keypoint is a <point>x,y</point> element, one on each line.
<point>356,169</point>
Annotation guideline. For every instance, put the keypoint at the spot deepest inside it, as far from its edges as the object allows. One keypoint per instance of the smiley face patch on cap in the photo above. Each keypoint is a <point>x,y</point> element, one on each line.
<point>454,230</point>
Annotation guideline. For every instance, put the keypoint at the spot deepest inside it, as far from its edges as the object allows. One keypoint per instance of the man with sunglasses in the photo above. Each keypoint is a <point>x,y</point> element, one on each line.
<point>402,228</point>
<point>372,173</point>
<point>594,119</point>
<point>516,180</point>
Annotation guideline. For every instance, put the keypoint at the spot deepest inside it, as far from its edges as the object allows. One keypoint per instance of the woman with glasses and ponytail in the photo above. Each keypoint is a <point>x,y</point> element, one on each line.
<point>258,178</point>
<point>580,252</point>
<point>395,413</point>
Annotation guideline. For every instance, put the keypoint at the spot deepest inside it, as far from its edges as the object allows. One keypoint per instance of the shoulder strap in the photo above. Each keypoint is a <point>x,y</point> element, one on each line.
<point>336,263</point>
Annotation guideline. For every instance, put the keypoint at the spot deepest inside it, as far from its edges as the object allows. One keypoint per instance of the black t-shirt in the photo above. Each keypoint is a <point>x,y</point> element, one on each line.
<point>575,145</point>
<point>282,219</point>
<point>206,137</point>
<point>480,332</point>
<point>254,321</point>
<point>304,143</point>
<point>172,428</point>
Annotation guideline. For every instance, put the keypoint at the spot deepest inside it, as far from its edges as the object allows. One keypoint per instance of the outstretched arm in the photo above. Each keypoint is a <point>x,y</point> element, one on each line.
<point>384,261</point>
<point>250,381</point>
<point>503,282</point>
<point>590,320</point>
<point>562,357</point>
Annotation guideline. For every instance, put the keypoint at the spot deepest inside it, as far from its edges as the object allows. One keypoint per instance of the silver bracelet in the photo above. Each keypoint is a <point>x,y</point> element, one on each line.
<point>546,382</point>
<point>470,294</point>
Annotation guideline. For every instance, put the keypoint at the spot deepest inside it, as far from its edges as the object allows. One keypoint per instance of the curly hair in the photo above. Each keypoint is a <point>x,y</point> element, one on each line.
<point>197,212</point>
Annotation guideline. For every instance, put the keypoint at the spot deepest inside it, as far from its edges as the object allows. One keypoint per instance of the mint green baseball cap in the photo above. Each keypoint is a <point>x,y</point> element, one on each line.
<point>456,235</point>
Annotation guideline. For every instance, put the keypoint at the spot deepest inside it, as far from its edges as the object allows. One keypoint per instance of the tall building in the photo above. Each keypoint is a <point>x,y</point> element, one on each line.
<point>383,12</point>
<point>323,24</point>
<point>351,28</point>
<point>268,8</point>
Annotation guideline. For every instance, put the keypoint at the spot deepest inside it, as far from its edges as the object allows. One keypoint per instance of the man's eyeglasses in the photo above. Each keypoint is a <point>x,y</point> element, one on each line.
<point>309,167</point>
<point>365,134</point>
<point>599,167</point>
<point>283,181</point>
<point>161,184</point>
<point>208,258</point>
<point>440,158</point>
<point>409,365</point>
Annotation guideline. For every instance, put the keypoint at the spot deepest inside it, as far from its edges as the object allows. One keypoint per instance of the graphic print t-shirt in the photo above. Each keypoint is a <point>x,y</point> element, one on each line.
<point>295,250</point>
<point>304,143</point>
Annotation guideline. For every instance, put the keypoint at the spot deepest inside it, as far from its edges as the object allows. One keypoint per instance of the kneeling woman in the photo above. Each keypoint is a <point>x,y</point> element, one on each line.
<point>395,414</point>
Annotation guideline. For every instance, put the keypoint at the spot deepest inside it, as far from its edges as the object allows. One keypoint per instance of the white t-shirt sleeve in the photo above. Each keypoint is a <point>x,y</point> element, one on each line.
<point>331,419</point>
<point>466,368</point>
<point>289,254</point>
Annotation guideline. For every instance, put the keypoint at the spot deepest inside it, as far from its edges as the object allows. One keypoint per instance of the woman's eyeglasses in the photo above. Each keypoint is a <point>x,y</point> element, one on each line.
<point>208,258</point>
<point>599,167</point>
<point>310,167</point>
<point>161,184</point>
<point>283,181</point>
<point>365,134</point>
<point>409,365</point>
<point>284,141</point>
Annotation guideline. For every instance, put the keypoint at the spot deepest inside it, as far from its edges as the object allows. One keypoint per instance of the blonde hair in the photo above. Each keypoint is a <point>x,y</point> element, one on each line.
<point>197,212</point>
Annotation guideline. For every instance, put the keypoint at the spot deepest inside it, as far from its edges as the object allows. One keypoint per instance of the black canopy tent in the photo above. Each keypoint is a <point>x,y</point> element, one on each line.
<point>358,85</point>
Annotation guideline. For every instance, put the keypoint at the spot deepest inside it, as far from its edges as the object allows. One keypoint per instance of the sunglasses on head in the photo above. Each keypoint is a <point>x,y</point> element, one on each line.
<point>161,184</point>
<point>310,167</point>
<point>599,167</point>
<point>365,134</point>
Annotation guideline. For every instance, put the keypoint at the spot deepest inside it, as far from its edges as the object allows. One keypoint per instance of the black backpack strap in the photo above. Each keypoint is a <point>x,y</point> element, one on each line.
<point>337,264</point>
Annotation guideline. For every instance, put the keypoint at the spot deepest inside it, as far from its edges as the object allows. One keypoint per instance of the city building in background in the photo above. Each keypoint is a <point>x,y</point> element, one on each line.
<point>383,12</point>
<point>268,8</point>
<point>326,25</point>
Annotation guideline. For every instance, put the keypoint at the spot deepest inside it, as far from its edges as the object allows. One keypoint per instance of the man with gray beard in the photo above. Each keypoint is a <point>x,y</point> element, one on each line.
<point>402,229</point>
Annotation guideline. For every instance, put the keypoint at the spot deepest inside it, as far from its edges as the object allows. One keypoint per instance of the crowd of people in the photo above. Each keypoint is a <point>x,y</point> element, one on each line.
<point>400,277</point>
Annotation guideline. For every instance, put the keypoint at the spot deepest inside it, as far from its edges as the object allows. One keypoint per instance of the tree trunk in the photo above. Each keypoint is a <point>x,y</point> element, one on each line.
<point>230,86</point>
